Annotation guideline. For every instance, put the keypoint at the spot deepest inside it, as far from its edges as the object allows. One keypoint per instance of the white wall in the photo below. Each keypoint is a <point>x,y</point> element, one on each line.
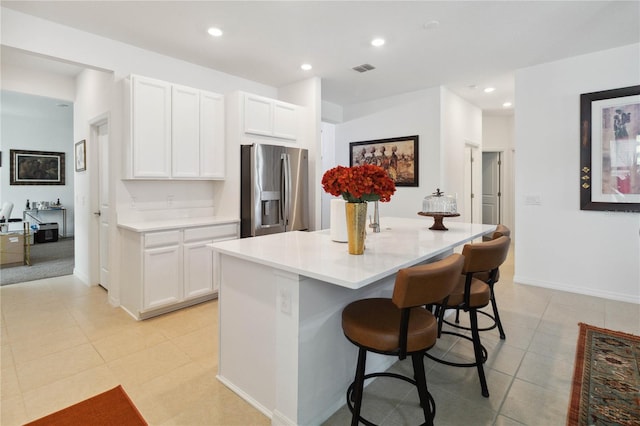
<point>35,82</point>
<point>558,245</point>
<point>441,119</point>
<point>396,117</point>
<point>461,127</point>
<point>328,142</point>
<point>498,136</point>
<point>37,123</point>
<point>94,97</point>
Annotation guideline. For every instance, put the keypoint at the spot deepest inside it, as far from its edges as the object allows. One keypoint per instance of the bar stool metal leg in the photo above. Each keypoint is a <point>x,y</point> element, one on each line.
<point>358,387</point>
<point>478,351</point>
<point>426,400</point>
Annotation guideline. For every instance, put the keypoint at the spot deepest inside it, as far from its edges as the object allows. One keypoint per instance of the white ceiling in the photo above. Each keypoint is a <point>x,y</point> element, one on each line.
<point>476,44</point>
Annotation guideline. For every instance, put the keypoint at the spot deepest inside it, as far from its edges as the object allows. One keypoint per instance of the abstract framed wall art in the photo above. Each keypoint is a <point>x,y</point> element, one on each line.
<point>398,156</point>
<point>81,156</point>
<point>36,168</point>
<point>610,150</point>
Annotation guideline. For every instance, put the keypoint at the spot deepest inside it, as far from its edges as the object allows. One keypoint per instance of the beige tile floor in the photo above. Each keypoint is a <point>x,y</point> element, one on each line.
<point>62,342</point>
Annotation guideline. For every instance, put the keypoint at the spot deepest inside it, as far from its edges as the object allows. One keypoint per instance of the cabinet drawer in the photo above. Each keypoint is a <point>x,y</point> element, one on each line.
<point>211,232</point>
<point>157,239</point>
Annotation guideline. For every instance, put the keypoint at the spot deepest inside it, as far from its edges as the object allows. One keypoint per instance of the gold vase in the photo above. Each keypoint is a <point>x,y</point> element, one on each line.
<point>356,226</point>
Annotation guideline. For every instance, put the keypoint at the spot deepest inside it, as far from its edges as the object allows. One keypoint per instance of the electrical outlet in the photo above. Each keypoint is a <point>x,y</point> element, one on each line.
<point>169,200</point>
<point>133,202</point>
<point>285,301</point>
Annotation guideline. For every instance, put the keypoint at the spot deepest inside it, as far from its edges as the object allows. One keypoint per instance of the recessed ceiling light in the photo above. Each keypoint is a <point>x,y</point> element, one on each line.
<point>306,67</point>
<point>215,32</point>
<point>377,42</point>
<point>507,104</point>
<point>489,89</point>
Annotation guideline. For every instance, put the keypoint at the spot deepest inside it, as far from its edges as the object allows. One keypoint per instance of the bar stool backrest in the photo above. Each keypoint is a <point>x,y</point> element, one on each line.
<point>426,284</point>
<point>485,256</point>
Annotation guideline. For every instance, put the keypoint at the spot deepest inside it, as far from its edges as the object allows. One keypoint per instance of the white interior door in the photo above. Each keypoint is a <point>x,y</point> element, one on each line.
<point>468,198</point>
<point>103,195</point>
<point>491,192</point>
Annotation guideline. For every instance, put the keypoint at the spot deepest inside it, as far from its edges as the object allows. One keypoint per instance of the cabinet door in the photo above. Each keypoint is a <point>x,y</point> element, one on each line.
<point>284,121</point>
<point>162,277</point>
<point>185,133</point>
<point>258,118</point>
<point>151,128</point>
<point>212,140</point>
<point>198,269</point>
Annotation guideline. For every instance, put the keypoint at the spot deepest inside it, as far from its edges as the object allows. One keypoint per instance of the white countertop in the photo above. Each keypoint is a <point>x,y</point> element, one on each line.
<point>167,224</point>
<point>401,243</point>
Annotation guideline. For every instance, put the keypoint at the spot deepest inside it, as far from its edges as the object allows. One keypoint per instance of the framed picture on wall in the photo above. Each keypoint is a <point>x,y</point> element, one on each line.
<point>398,156</point>
<point>36,167</point>
<point>610,150</point>
<point>81,156</point>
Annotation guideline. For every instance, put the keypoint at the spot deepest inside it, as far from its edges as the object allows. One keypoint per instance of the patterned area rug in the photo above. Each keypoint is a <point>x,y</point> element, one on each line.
<point>606,379</point>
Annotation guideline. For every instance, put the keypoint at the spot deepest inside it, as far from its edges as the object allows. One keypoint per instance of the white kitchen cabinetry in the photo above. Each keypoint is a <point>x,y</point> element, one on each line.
<point>269,117</point>
<point>171,269</point>
<point>212,136</point>
<point>185,132</point>
<point>162,266</point>
<point>150,128</point>
<point>177,132</point>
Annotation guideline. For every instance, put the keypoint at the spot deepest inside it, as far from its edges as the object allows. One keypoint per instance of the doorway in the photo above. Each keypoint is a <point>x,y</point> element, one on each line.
<point>471,211</point>
<point>100,139</point>
<point>492,188</point>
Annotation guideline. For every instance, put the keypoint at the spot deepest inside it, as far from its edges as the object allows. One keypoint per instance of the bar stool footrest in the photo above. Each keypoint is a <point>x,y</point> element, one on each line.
<point>487,314</point>
<point>459,364</point>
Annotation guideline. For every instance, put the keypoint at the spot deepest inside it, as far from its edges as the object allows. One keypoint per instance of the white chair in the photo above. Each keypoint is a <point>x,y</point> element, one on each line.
<point>7,208</point>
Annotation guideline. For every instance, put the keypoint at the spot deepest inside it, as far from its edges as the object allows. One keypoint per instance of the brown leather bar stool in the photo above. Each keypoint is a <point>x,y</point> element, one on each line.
<point>485,276</point>
<point>500,231</point>
<point>400,326</point>
<point>471,294</point>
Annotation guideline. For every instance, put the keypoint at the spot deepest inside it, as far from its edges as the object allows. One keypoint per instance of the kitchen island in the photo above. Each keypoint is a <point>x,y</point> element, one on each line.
<point>281,297</point>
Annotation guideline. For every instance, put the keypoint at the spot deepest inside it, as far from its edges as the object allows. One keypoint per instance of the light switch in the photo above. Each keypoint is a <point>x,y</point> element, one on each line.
<point>532,200</point>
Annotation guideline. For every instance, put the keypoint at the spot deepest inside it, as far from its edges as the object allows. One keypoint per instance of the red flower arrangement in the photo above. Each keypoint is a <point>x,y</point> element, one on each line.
<point>359,184</point>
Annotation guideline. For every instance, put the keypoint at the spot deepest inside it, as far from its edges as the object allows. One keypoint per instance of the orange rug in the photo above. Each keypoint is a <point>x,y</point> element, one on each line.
<point>606,379</point>
<point>111,408</point>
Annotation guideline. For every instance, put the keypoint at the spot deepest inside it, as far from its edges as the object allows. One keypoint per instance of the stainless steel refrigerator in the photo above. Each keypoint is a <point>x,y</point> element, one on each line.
<point>274,190</point>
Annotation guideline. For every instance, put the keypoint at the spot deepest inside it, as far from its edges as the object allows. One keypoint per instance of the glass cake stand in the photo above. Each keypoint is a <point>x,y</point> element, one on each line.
<point>437,219</point>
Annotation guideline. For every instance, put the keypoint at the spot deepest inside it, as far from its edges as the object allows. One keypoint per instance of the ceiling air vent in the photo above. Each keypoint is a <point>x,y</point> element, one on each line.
<point>364,68</point>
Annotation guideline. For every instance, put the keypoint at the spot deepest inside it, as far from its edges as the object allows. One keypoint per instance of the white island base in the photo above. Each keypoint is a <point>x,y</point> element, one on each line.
<point>281,298</point>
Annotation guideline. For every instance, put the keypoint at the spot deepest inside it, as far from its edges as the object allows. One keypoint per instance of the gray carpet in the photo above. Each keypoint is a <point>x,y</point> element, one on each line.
<point>47,260</point>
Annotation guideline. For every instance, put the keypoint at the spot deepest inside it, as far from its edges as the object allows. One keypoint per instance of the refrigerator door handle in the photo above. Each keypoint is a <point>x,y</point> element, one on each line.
<point>286,189</point>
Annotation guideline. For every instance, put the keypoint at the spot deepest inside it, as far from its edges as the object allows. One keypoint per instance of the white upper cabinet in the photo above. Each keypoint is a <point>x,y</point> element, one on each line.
<point>177,132</point>
<point>269,117</point>
<point>212,153</point>
<point>151,128</point>
<point>285,121</point>
<point>185,132</point>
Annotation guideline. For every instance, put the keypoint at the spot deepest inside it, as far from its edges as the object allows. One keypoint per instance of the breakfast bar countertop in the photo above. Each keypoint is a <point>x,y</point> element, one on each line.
<point>402,242</point>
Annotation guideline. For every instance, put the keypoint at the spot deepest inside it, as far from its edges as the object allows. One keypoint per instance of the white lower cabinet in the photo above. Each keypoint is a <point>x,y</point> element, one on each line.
<point>161,277</point>
<point>169,270</point>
